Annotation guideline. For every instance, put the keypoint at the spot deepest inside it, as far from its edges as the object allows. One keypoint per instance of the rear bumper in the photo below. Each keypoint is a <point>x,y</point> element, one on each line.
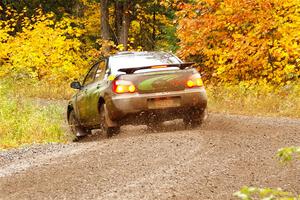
<point>136,105</point>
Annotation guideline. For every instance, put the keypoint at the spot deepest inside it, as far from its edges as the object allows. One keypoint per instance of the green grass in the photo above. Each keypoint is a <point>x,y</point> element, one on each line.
<point>26,120</point>
<point>41,89</point>
<point>262,100</point>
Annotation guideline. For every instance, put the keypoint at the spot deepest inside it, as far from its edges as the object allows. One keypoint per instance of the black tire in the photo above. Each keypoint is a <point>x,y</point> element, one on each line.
<point>195,118</point>
<point>104,117</point>
<point>78,131</point>
<point>110,131</point>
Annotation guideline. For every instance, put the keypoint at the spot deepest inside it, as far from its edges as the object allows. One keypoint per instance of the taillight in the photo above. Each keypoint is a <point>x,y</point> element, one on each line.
<point>122,86</point>
<point>194,81</point>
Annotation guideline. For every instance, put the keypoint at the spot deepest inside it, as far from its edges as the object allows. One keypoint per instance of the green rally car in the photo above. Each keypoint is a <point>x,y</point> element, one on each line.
<point>136,88</point>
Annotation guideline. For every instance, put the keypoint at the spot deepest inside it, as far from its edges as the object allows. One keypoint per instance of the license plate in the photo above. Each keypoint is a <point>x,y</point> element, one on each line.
<point>163,103</point>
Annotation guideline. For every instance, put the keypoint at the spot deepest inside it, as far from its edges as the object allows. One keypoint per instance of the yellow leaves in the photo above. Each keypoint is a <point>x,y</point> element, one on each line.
<point>42,50</point>
<point>121,47</point>
<point>237,36</point>
<point>242,40</point>
<point>221,70</point>
<point>135,27</point>
<point>91,18</point>
<point>289,69</point>
<point>51,22</point>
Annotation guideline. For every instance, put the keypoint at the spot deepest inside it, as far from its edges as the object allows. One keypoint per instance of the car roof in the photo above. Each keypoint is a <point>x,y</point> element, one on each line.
<point>127,59</point>
<point>139,53</point>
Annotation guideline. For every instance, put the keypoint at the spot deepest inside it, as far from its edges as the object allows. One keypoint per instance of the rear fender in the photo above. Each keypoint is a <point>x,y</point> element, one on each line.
<point>102,108</point>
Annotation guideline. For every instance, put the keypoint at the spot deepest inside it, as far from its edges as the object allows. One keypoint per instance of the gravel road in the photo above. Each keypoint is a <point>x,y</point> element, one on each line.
<point>210,162</point>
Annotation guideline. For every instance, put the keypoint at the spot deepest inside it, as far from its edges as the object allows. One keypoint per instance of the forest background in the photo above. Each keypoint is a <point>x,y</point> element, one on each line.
<point>248,52</point>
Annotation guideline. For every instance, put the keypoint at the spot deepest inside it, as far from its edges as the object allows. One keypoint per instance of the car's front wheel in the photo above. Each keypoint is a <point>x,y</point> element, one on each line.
<point>77,130</point>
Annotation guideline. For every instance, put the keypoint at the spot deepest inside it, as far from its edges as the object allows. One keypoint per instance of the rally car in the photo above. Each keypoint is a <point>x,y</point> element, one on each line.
<point>136,88</point>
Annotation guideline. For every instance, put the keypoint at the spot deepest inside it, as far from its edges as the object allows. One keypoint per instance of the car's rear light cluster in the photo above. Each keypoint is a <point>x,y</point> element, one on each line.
<point>194,81</point>
<point>123,86</point>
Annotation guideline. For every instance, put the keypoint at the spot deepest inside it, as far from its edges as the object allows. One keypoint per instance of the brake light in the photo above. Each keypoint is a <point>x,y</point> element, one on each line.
<point>122,86</point>
<point>195,81</point>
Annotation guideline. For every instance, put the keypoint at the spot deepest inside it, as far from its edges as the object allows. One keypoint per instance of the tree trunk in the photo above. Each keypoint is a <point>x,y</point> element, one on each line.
<point>105,33</point>
<point>118,19</point>
<point>125,24</point>
<point>154,30</point>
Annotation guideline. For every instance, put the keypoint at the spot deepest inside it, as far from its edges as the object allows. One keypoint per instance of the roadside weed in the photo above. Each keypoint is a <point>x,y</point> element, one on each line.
<point>25,120</point>
<point>258,100</point>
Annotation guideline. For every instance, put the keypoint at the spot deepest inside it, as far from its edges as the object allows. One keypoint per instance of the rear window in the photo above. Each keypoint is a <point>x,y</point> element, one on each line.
<point>140,60</point>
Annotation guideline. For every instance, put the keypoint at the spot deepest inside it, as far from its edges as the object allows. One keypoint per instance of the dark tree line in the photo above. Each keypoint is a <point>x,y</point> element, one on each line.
<point>59,7</point>
<point>116,18</point>
<point>116,26</point>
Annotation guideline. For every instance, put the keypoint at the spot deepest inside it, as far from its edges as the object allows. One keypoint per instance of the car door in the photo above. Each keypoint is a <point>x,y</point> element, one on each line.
<point>82,99</point>
<point>89,115</point>
<point>95,90</point>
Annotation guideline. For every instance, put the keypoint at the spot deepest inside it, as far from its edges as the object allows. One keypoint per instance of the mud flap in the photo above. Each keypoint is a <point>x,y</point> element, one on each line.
<point>108,121</point>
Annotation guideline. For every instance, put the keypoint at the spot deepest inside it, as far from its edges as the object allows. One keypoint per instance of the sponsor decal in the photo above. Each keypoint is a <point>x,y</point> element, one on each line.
<point>112,77</point>
<point>156,82</point>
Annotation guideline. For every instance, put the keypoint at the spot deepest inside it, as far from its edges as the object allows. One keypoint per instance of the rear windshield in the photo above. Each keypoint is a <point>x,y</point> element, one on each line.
<point>140,60</point>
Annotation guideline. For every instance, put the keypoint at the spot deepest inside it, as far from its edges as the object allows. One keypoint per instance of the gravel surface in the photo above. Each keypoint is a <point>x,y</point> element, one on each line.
<point>210,162</point>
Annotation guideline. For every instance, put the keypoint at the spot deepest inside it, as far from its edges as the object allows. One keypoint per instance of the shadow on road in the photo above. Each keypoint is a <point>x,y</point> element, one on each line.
<point>131,131</point>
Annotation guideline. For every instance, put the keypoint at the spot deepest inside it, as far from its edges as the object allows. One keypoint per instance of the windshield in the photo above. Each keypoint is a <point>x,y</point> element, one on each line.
<point>136,60</point>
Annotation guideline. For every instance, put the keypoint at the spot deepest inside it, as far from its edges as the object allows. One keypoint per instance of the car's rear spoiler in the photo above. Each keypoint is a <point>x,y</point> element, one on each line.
<point>180,65</point>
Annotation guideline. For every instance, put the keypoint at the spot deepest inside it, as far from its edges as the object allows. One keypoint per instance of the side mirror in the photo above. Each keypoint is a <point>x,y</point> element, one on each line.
<point>76,85</point>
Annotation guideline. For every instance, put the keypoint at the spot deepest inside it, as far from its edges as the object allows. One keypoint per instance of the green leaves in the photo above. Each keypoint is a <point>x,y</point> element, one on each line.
<point>286,154</point>
<point>253,193</point>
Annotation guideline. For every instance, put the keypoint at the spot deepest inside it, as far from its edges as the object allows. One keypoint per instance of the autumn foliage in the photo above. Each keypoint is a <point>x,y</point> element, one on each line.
<point>243,40</point>
<point>42,48</point>
<point>52,47</point>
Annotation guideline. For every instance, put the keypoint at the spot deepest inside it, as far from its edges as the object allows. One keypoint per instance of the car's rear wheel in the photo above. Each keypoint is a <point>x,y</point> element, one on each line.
<point>195,118</point>
<point>78,131</point>
<point>106,123</point>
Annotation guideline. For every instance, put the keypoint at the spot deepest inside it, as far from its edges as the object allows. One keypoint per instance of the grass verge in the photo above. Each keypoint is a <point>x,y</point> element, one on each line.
<point>258,100</point>
<point>26,120</point>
